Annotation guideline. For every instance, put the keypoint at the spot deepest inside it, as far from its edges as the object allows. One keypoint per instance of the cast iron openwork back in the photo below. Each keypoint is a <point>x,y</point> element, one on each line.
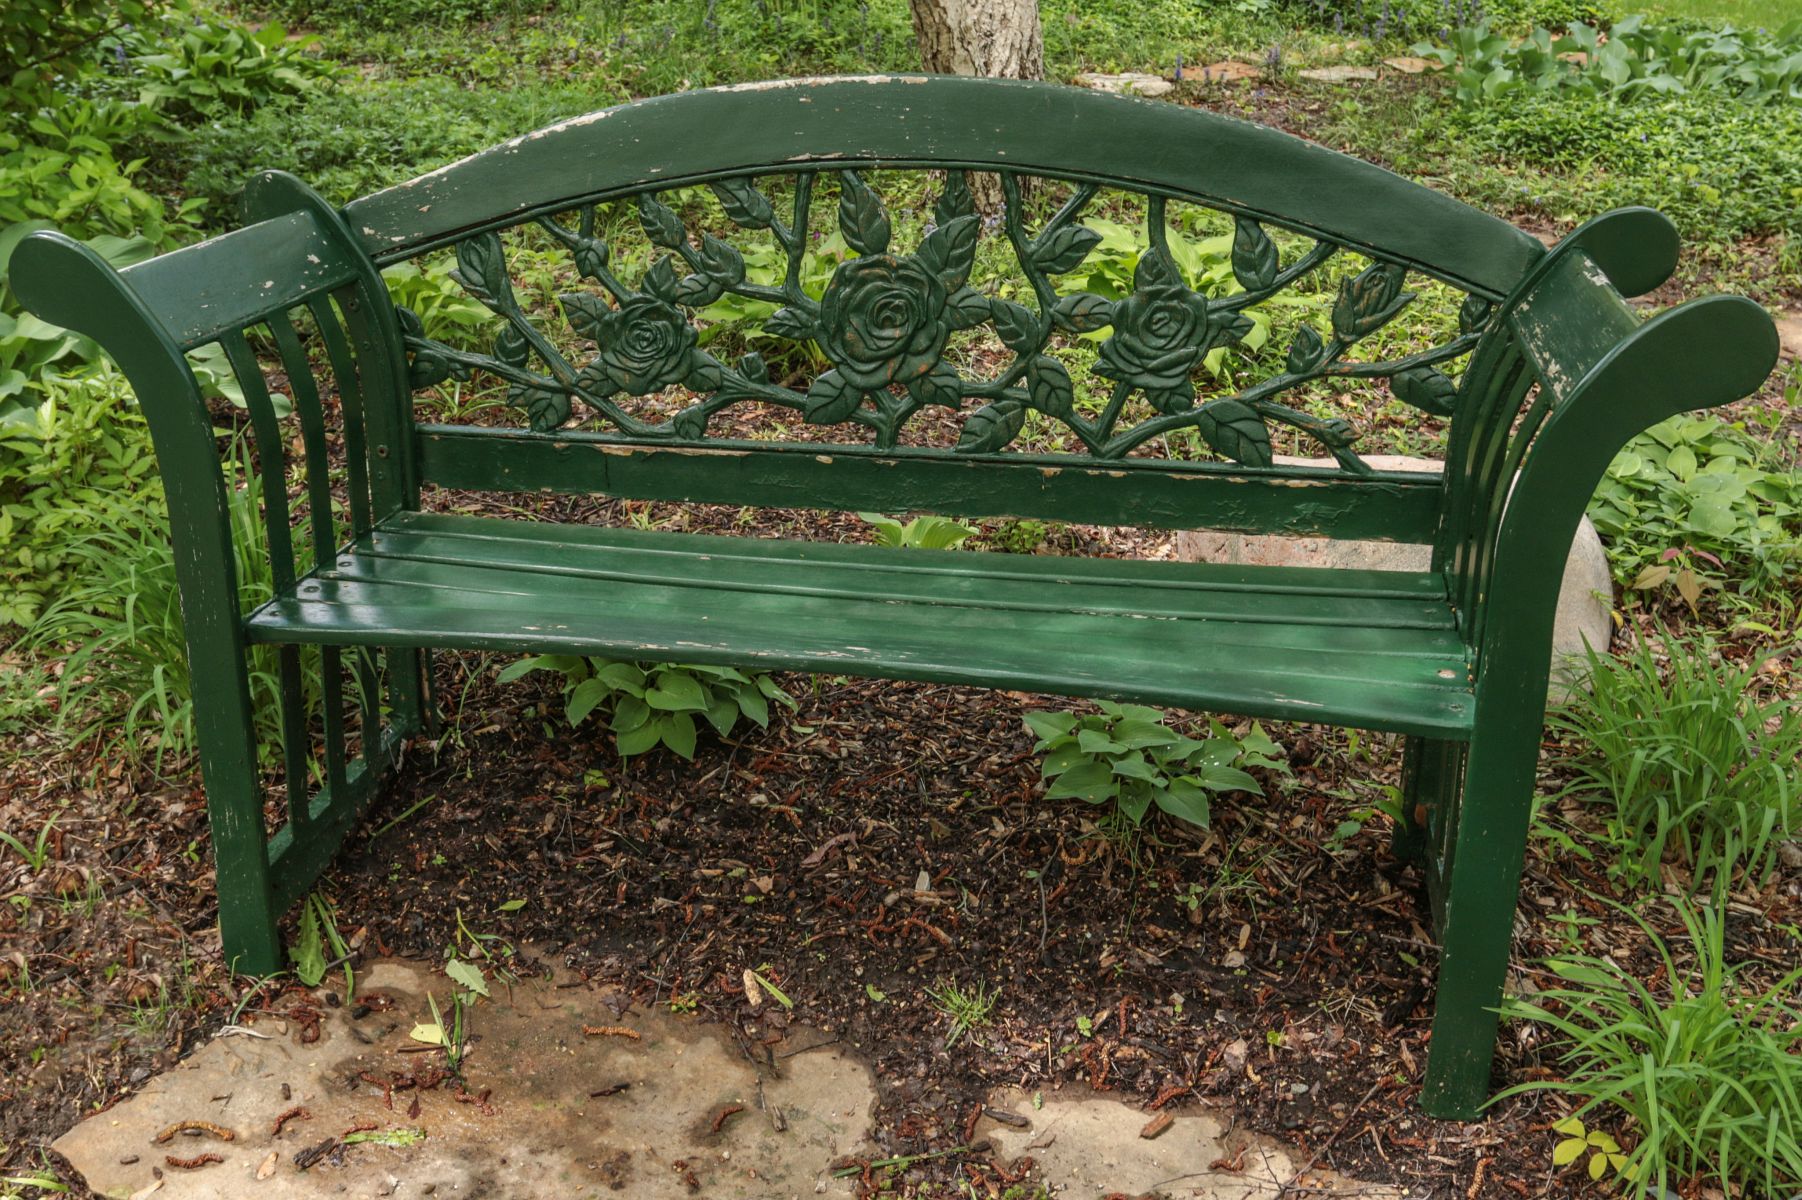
<point>886,319</point>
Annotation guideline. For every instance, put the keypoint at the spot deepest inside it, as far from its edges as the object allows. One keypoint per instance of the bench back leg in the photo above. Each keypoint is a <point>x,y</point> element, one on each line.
<point>1480,864</point>
<point>228,764</point>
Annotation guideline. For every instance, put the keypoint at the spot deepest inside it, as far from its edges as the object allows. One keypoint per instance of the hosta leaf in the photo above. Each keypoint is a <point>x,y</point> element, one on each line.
<point>674,691</point>
<point>583,699</point>
<point>678,733</point>
<point>1254,255</point>
<point>1092,781</point>
<point>955,201</point>
<point>639,739</point>
<point>744,203</point>
<point>1049,386</point>
<point>1237,432</point>
<point>1426,389</point>
<point>1017,325</point>
<point>1307,352</point>
<point>1064,250</point>
<point>1048,725</point>
<point>1184,801</point>
<point>661,225</point>
<point>861,216</point>
<point>992,427</point>
<point>950,250</point>
<point>1083,312</point>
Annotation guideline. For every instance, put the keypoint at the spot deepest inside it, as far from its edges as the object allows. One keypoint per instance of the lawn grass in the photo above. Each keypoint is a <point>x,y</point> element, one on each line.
<point>1743,14</point>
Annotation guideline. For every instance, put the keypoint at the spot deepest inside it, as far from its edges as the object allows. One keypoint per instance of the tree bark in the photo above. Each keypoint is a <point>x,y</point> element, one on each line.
<point>997,38</point>
<point>1000,39</point>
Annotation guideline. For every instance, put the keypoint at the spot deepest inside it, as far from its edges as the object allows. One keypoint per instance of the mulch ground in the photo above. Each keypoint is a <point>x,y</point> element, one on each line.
<point>883,841</point>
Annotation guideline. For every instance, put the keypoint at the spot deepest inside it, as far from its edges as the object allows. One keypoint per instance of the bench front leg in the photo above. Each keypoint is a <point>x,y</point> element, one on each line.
<point>1704,353</point>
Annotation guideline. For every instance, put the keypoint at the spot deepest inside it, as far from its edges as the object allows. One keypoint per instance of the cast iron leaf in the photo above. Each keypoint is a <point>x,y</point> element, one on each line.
<point>832,399</point>
<point>721,261</point>
<point>744,203</point>
<point>1016,325</point>
<point>1254,255</point>
<point>941,386</point>
<point>1369,300</point>
<point>660,280</point>
<point>861,216</point>
<point>661,224</point>
<point>792,323</point>
<point>482,271</point>
<point>955,201</point>
<point>511,346</point>
<point>1425,388</point>
<point>1064,250</point>
<point>1473,314</point>
<point>950,250</point>
<point>993,426</point>
<point>1049,386</point>
<point>585,313</point>
<point>1236,431</point>
<point>545,407</point>
<point>1083,312</point>
<point>1307,352</point>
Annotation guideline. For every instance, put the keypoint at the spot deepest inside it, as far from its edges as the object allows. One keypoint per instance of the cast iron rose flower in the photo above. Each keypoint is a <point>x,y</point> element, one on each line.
<point>645,345</point>
<point>1160,332</point>
<point>882,320</point>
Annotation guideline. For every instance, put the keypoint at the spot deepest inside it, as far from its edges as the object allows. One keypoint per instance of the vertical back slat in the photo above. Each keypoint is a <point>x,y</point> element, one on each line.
<point>272,455</point>
<point>350,403</point>
<point>312,434</point>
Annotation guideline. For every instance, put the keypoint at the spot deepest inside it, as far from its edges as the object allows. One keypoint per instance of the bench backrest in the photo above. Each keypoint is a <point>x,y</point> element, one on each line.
<point>617,394</point>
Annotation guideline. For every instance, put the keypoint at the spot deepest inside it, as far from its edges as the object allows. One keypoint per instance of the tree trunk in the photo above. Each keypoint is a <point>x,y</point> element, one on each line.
<point>1000,39</point>
<point>996,38</point>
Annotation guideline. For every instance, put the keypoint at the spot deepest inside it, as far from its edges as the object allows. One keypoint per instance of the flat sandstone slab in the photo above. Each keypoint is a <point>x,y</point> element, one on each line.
<point>543,1135</point>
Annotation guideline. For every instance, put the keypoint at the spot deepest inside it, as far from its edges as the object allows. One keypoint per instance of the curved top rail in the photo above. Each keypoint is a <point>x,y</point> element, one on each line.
<point>936,121</point>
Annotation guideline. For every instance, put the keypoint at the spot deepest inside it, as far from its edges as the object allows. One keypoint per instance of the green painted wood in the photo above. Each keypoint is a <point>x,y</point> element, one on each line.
<point>1653,373</point>
<point>1569,322</point>
<point>211,288</point>
<point>1379,661</point>
<point>65,282</point>
<point>1047,129</point>
<point>1380,507</point>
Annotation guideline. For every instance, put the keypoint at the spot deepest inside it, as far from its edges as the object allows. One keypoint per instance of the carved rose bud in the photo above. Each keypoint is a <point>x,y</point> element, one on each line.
<point>645,345</point>
<point>882,320</point>
<point>1160,332</point>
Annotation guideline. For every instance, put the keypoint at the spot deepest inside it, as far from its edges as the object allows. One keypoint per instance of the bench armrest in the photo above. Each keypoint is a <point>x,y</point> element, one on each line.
<point>1704,353</point>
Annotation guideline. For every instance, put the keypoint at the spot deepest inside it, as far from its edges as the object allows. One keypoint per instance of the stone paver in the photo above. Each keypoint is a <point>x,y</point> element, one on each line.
<point>547,1136</point>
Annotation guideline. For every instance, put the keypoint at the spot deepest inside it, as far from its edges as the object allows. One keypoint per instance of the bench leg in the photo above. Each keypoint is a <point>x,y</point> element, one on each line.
<point>1481,886</point>
<point>228,766</point>
<point>1431,775</point>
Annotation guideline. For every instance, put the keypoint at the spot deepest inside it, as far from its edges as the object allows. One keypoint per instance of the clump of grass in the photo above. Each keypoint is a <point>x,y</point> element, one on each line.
<point>1699,762</point>
<point>1709,1073</point>
<point>968,1008</point>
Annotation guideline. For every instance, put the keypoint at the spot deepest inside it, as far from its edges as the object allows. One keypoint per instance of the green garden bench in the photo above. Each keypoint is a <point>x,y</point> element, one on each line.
<point>882,397</point>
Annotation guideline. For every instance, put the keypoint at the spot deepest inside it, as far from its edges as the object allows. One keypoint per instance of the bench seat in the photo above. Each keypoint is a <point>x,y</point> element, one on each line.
<point>1375,649</point>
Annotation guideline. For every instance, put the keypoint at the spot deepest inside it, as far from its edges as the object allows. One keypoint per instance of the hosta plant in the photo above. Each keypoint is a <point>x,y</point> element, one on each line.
<point>1126,757</point>
<point>653,704</point>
